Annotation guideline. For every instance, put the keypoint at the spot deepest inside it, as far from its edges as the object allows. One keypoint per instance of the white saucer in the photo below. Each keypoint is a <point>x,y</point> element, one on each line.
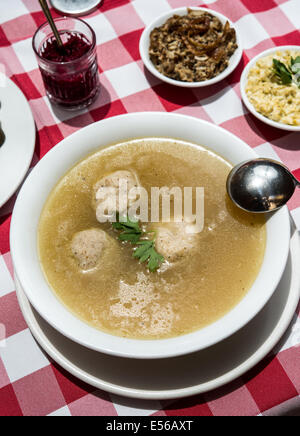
<point>18,126</point>
<point>75,8</point>
<point>182,376</point>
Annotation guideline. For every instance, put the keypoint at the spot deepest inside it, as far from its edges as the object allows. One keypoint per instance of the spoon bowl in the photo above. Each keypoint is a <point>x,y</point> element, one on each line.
<point>2,136</point>
<point>261,185</point>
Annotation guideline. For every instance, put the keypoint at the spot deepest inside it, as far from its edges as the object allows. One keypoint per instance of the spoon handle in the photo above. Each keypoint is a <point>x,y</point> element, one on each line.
<point>44,6</point>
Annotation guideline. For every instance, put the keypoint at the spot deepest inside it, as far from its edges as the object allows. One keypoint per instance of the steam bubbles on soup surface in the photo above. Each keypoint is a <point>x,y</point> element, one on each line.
<point>96,276</point>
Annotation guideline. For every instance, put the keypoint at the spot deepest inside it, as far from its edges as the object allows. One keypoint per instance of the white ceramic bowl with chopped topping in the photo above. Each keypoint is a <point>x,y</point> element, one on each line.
<point>159,21</point>
<point>244,83</point>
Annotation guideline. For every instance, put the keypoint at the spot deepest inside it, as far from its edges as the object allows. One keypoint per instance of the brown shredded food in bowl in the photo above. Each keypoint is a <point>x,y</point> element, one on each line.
<point>192,48</point>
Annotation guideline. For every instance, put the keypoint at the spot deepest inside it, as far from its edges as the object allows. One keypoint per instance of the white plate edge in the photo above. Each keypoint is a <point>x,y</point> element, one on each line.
<point>261,353</point>
<point>32,126</point>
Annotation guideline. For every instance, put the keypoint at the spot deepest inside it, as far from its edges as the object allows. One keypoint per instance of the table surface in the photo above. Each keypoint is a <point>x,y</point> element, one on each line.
<point>29,383</point>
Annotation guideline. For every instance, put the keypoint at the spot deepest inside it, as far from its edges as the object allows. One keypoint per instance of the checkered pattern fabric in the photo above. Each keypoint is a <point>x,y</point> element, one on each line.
<point>29,383</point>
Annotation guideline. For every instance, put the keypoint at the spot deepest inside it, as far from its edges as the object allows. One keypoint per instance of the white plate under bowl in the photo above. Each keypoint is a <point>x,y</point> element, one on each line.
<point>55,164</point>
<point>182,376</point>
<point>18,126</point>
<point>244,81</point>
<point>159,21</point>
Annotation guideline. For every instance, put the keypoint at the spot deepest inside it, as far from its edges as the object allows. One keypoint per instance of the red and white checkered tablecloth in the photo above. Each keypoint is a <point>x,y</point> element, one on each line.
<point>29,383</point>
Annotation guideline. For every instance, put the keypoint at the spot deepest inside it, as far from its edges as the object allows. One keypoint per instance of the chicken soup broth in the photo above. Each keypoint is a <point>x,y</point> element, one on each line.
<point>203,276</point>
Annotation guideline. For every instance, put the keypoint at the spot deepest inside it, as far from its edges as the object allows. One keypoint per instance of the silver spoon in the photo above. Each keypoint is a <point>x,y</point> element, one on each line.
<point>2,136</point>
<point>261,185</point>
<point>47,13</point>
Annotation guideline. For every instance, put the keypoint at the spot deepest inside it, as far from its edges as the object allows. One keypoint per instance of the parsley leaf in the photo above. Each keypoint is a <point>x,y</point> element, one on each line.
<point>282,72</point>
<point>295,65</point>
<point>295,68</point>
<point>131,237</point>
<point>287,74</point>
<point>131,232</point>
<point>146,251</point>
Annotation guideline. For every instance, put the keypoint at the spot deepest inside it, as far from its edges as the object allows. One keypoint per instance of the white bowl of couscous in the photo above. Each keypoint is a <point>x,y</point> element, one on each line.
<point>274,98</point>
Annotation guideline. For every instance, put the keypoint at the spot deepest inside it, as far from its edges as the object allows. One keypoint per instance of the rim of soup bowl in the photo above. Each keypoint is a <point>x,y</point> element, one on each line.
<point>50,169</point>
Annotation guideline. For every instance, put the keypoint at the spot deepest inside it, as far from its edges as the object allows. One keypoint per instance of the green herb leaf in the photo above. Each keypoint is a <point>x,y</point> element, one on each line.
<point>130,230</point>
<point>133,238</point>
<point>142,251</point>
<point>146,251</point>
<point>282,72</point>
<point>125,223</point>
<point>155,260</point>
<point>295,68</point>
<point>295,64</point>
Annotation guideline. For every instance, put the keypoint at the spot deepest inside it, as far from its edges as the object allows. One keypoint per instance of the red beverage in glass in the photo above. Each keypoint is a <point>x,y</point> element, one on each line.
<point>70,74</point>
